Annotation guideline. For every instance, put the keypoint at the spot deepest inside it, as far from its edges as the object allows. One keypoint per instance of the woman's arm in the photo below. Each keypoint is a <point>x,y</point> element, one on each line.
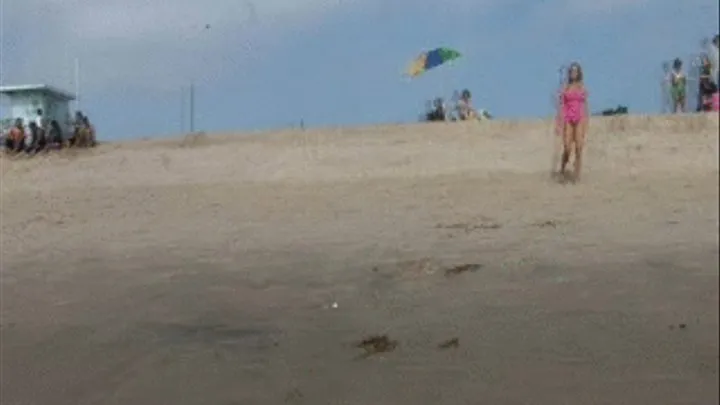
<point>560,103</point>
<point>586,117</point>
<point>559,114</point>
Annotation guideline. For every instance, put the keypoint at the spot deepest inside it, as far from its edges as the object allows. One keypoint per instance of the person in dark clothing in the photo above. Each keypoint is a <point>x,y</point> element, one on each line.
<point>55,134</point>
<point>78,125</point>
<point>715,59</point>
<point>438,112</point>
<point>38,138</point>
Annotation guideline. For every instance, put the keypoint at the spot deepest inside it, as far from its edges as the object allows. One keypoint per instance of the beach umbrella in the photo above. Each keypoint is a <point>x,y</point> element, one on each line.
<point>431,59</point>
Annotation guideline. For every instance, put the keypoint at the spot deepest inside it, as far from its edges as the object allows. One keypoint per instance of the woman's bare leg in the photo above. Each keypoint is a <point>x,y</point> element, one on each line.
<point>579,146</point>
<point>567,147</point>
<point>679,107</point>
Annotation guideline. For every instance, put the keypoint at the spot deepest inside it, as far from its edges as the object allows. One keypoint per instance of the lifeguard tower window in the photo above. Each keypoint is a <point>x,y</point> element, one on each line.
<point>27,101</point>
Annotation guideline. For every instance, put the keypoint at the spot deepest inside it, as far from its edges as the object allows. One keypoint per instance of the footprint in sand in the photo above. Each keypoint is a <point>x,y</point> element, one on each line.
<point>550,223</point>
<point>376,344</point>
<point>463,268</point>
<point>453,343</point>
<point>468,227</point>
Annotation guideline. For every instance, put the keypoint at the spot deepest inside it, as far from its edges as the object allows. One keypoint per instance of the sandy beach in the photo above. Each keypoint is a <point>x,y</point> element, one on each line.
<point>243,269</point>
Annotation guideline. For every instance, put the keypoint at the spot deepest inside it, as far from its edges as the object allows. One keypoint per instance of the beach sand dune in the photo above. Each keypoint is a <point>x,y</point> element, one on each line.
<point>244,269</point>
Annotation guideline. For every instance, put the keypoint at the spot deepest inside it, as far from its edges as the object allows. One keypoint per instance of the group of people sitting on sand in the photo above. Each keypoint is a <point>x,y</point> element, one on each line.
<point>708,81</point>
<point>40,135</point>
<point>462,109</point>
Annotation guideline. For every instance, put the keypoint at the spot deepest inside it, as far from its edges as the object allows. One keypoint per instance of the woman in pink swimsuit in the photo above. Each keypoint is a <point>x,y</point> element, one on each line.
<point>574,118</point>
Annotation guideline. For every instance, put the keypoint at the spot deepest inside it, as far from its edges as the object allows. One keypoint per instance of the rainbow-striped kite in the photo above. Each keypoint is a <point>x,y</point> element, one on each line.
<point>431,59</point>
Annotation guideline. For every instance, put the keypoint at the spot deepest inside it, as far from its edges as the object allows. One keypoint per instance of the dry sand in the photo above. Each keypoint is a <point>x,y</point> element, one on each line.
<point>203,270</point>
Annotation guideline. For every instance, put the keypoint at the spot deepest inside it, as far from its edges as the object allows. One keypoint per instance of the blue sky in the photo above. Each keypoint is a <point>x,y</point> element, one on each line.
<point>271,63</point>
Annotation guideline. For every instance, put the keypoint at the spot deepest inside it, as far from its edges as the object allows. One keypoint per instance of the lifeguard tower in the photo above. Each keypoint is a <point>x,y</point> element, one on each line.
<point>25,101</point>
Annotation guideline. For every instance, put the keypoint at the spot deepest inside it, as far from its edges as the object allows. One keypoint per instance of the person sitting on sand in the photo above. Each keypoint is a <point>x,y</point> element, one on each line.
<point>428,109</point>
<point>91,131</point>
<point>438,112</point>
<point>85,136</point>
<point>464,108</point>
<point>574,118</point>
<point>15,141</point>
<point>484,115</point>
<point>77,125</point>
<point>678,84</point>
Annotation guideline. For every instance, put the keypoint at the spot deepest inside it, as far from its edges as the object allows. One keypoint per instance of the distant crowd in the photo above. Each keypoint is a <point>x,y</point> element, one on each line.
<point>708,96</point>
<point>40,135</point>
<point>461,110</point>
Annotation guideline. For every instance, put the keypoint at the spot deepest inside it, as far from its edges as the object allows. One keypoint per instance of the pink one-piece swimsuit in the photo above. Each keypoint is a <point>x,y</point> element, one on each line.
<point>573,105</point>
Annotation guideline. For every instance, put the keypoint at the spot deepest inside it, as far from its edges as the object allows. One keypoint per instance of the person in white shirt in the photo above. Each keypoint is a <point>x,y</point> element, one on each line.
<point>39,119</point>
<point>41,125</point>
<point>29,138</point>
<point>715,59</point>
<point>464,106</point>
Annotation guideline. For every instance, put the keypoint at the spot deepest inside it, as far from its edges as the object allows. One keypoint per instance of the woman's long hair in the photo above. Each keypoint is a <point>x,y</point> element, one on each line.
<point>579,79</point>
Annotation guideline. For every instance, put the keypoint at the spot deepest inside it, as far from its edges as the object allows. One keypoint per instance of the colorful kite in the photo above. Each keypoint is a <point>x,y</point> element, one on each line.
<point>431,59</point>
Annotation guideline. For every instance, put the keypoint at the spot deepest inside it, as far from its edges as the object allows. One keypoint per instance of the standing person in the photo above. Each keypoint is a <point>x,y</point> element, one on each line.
<point>38,138</point>
<point>55,134</point>
<point>575,113</point>
<point>705,83</point>
<point>678,87</point>
<point>714,54</point>
<point>39,119</point>
<point>40,130</point>
<point>29,134</point>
